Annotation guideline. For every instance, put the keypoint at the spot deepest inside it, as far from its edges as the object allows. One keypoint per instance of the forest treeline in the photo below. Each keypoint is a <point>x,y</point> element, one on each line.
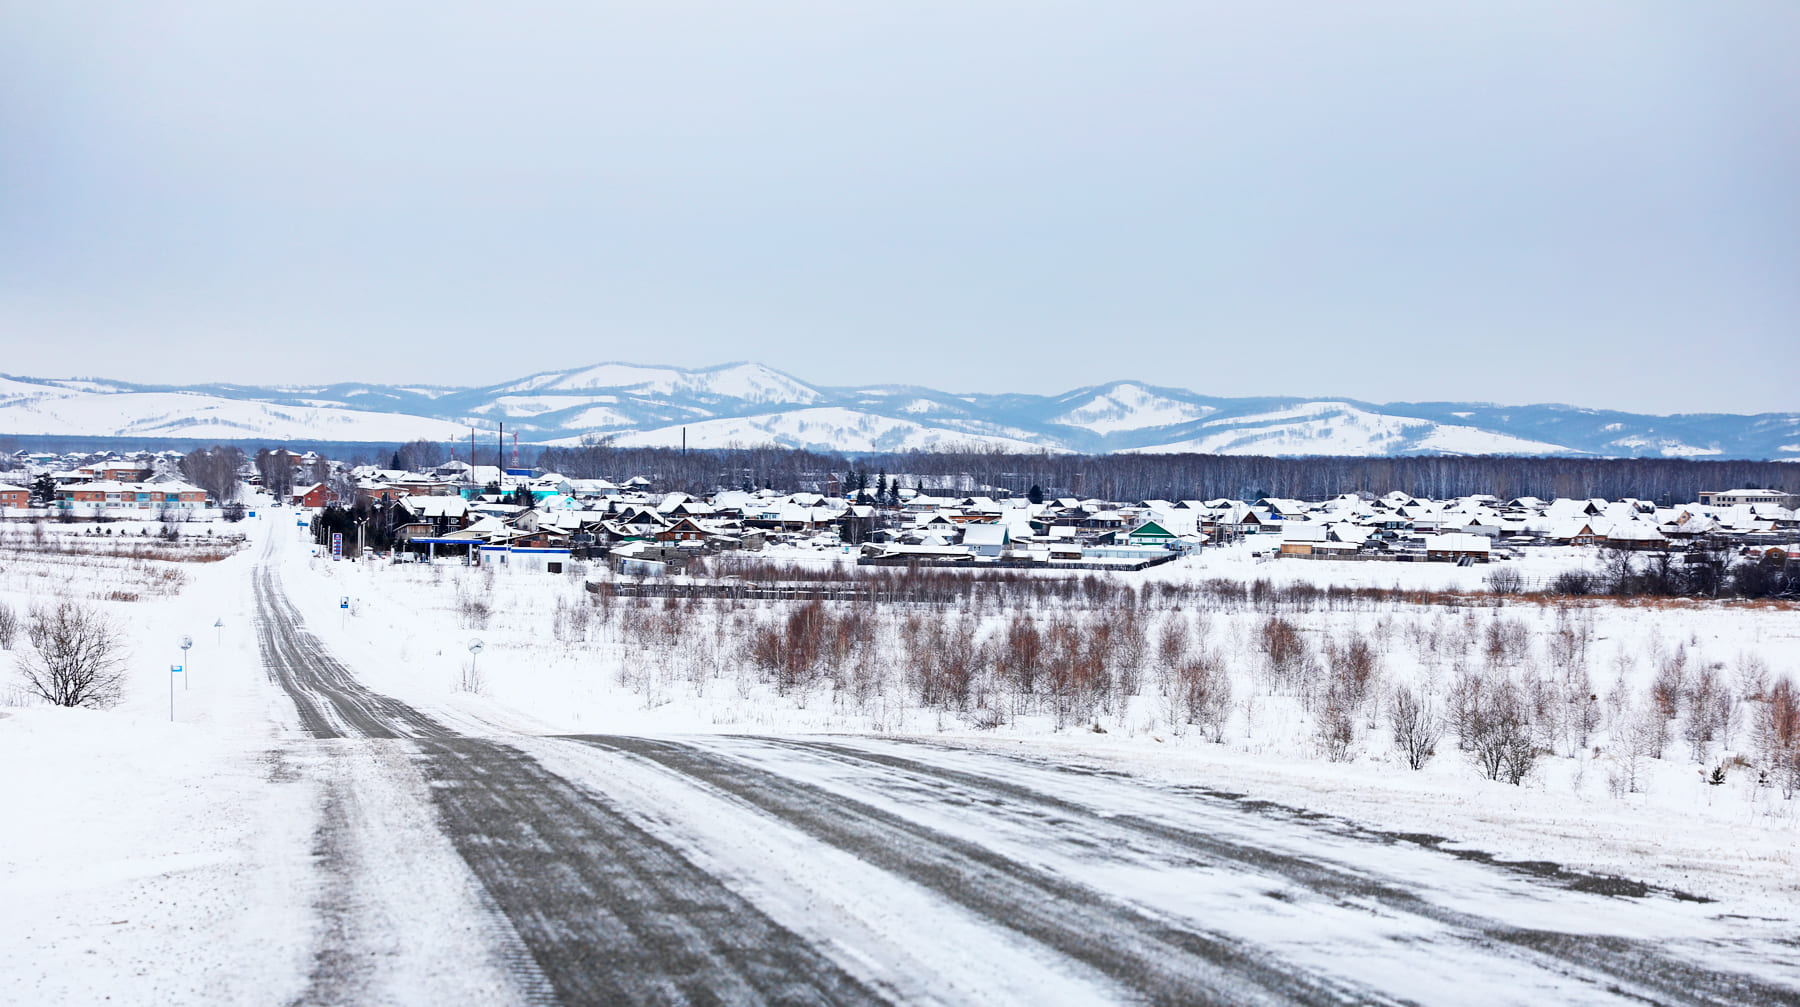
<point>1134,477</point>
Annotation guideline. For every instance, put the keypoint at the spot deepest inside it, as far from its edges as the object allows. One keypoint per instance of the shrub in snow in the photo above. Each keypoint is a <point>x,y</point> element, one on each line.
<point>1500,736</point>
<point>1287,660</point>
<point>1202,689</point>
<point>1416,726</point>
<point>76,657</point>
<point>1502,580</point>
<point>1336,731</point>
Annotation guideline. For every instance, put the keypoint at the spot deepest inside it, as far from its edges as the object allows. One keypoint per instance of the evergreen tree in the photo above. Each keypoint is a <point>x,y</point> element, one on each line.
<point>1036,495</point>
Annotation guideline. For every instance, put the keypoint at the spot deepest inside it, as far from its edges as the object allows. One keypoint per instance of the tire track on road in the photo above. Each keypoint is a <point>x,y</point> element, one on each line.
<point>1624,965</point>
<point>609,913</point>
<point>1164,963</point>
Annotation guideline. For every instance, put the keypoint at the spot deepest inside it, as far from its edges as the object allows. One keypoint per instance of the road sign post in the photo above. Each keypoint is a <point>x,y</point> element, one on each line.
<point>218,630</point>
<point>337,545</point>
<point>343,610</point>
<point>186,642</point>
<point>174,669</point>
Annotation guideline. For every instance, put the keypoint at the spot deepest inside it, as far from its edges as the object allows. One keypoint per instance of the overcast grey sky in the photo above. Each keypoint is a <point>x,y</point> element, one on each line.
<point>1596,203</point>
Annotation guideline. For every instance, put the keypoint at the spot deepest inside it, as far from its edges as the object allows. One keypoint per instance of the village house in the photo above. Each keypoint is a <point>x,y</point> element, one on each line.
<point>109,495</point>
<point>1730,498</point>
<point>1458,546</point>
<point>987,540</point>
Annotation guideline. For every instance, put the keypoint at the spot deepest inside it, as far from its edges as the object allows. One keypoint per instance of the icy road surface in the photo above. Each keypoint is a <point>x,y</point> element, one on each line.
<point>621,870</point>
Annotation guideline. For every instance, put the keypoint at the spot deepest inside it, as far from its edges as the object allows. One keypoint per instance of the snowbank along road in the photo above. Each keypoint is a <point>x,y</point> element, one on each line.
<point>620,870</point>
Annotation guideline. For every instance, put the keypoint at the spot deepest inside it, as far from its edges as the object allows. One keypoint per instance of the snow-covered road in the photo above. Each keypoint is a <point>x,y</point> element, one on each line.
<point>608,869</point>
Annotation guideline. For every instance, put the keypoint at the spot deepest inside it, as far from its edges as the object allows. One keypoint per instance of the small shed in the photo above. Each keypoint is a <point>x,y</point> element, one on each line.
<point>530,559</point>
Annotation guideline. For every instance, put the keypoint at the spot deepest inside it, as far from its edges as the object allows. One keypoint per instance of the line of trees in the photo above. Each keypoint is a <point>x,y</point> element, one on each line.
<point>786,470</point>
<point>1206,477</point>
<point>1176,477</point>
<point>1502,692</point>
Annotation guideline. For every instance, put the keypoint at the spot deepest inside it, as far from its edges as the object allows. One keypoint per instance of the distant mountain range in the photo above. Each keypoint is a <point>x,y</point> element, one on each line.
<point>749,404</point>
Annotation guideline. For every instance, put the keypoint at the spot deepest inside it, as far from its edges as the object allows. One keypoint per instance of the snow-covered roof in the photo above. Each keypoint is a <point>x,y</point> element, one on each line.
<point>1457,542</point>
<point>986,534</point>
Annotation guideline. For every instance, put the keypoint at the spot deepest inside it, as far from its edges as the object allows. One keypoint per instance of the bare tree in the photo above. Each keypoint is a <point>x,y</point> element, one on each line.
<point>1336,729</point>
<point>419,455</point>
<point>9,626</point>
<point>1500,728</point>
<point>1355,672</point>
<point>1638,733</point>
<point>1172,642</point>
<point>277,471</point>
<point>1289,662</point>
<point>76,657</point>
<point>216,470</point>
<point>1203,688</point>
<point>1417,727</point>
<point>1708,709</point>
<point>342,489</point>
<point>1779,733</point>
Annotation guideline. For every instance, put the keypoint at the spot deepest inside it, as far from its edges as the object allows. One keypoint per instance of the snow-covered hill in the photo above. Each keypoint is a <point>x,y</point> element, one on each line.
<point>750,404</point>
<point>85,409</point>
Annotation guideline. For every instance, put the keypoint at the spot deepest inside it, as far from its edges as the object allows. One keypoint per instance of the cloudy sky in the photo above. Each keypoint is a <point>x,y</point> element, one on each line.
<point>1595,203</point>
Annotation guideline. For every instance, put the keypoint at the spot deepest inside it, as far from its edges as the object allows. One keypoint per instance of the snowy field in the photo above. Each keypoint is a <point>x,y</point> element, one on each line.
<point>174,860</point>
<point>169,858</point>
<point>642,670</point>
